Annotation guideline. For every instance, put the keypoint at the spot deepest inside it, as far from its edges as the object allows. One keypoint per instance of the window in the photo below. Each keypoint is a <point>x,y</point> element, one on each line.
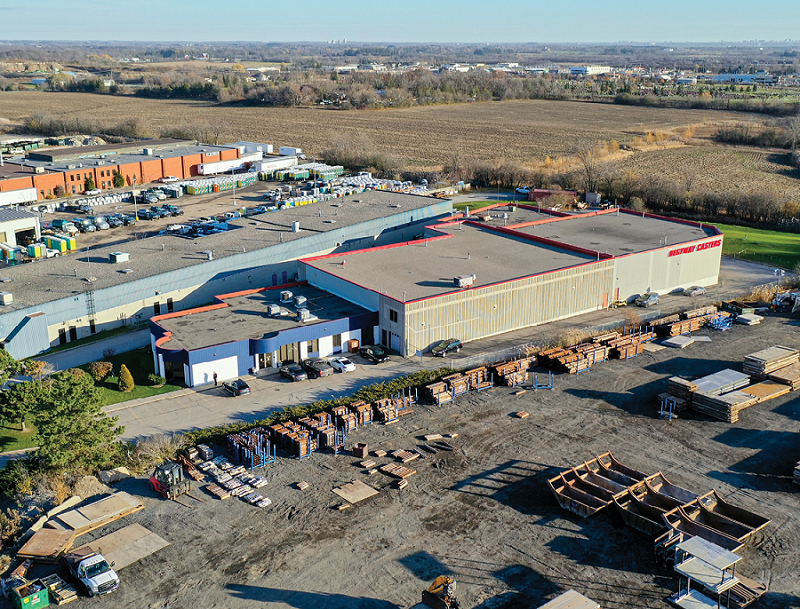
<point>393,315</point>
<point>42,193</point>
<point>337,340</point>
<point>72,178</point>
<point>170,305</point>
<point>157,308</point>
<point>313,346</point>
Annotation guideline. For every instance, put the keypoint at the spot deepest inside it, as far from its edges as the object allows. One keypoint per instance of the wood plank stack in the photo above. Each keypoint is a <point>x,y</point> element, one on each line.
<point>386,409</point>
<point>661,321</point>
<point>763,363</point>
<point>606,338</point>
<point>60,591</point>
<point>457,384</point>
<point>363,412</point>
<point>398,471</point>
<point>681,327</point>
<point>683,389</point>
<point>725,407</point>
<point>671,403</point>
<point>438,393</point>
<point>479,378</point>
<point>766,390</point>
<point>514,372</point>
<point>790,375</point>
<point>701,312</point>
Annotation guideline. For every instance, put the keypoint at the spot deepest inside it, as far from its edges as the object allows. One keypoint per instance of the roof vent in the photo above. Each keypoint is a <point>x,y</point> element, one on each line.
<point>117,257</point>
<point>6,298</point>
<point>126,271</point>
<point>208,254</point>
<point>273,310</point>
<point>38,170</point>
<point>301,302</point>
<point>5,279</point>
<point>295,227</point>
<point>464,281</point>
<point>286,296</point>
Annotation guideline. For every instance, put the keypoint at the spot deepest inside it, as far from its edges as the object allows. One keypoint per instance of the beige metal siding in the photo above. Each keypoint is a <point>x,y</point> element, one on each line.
<point>477,313</point>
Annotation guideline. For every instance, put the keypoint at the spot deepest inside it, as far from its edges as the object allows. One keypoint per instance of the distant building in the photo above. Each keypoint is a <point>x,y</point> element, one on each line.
<point>686,80</point>
<point>761,78</point>
<point>589,70</point>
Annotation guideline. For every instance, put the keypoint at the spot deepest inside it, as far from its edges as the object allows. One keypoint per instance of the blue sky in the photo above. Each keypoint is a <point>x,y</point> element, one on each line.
<point>406,21</point>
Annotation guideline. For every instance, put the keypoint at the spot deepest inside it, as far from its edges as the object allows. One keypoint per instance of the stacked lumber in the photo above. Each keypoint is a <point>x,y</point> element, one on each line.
<point>606,338</point>
<point>457,384</point>
<point>398,471</point>
<point>363,412</point>
<point>762,363</point>
<point>701,312</point>
<point>725,407</point>
<point>60,591</point>
<point>438,393</point>
<point>514,372</point>
<point>96,514</point>
<point>404,455</point>
<point>217,491</point>
<point>766,390</point>
<point>722,382</point>
<point>478,378</point>
<point>682,327</point>
<point>671,403</point>
<point>661,321</point>
<point>546,358</point>
<point>790,375</point>
<point>682,389</point>
<point>386,410</point>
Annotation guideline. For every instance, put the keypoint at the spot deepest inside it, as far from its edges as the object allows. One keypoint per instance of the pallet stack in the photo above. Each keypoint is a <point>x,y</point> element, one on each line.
<point>682,327</point>
<point>250,448</point>
<point>344,419</point>
<point>790,375</point>
<point>404,455</point>
<point>386,410</point>
<point>457,384</point>
<point>767,361</point>
<point>362,411</point>
<point>479,378</point>
<point>398,471</point>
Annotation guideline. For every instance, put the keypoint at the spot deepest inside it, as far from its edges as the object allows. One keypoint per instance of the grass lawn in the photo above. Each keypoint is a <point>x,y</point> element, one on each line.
<point>11,438</point>
<point>473,205</point>
<point>90,339</point>
<point>140,363</point>
<point>773,247</point>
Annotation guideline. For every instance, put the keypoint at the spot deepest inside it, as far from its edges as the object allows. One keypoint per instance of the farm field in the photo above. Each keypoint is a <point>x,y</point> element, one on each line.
<point>514,131</point>
<point>718,168</point>
<point>772,247</point>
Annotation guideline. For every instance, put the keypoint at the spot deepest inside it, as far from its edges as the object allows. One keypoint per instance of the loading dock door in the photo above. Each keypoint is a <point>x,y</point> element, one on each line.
<point>395,342</point>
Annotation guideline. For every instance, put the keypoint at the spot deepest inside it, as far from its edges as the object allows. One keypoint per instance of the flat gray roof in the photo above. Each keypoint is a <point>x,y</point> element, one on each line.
<point>422,271</point>
<point>618,233</point>
<point>245,318</point>
<point>49,279</point>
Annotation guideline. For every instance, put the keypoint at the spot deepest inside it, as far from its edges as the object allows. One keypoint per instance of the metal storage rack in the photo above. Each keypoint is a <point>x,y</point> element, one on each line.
<point>711,566</point>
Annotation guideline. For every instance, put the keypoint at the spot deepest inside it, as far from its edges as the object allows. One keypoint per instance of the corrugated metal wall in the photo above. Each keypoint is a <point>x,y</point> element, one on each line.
<point>473,314</point>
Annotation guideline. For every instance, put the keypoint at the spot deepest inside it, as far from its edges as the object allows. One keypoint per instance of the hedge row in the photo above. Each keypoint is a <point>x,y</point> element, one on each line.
<point>370,393</point>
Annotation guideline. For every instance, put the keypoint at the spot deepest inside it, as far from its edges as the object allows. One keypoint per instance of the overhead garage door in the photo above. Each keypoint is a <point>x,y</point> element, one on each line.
<point>203,374</point>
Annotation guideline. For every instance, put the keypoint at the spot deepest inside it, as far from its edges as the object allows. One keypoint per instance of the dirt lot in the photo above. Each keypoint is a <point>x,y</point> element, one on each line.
<point>484,513</point>
<point>513,131</point>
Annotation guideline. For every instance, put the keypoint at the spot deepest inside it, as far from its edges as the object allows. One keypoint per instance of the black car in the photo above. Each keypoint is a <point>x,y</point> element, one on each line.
<point>316,368</point>
<point>237,387</point>
<point>146,214</point>
<point>447,346</point>
<point>171,210</point>
<point>375,354</point>
<point>293,372</point>
<point>127,220</point>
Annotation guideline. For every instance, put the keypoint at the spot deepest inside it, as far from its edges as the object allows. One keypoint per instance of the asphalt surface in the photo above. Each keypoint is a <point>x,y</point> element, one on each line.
<point>208,406</point>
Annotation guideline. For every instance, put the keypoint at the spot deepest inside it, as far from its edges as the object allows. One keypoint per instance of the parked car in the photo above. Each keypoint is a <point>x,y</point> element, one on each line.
<point>342,364</point>
<point>160,213</point>
<point>617,304</point>
<point>523,190</point>
<point>93,192</point>
<point>85,209</point>
<point>172,210</point>
<point>316,368</point>
<point>113,221</point>
<point>695,290</point>
<point>169,180</point>
<point>158,194</point>
<point>127,219</point>
<point>648,299</point>
<point>447,346</point>
<point>237,387</point>
<point>374,353</point>
<point>293,372</point>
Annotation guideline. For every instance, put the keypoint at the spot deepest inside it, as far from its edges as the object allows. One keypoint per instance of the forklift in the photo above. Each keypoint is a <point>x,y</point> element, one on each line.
<point>440,595</point>
<point>168,480</point>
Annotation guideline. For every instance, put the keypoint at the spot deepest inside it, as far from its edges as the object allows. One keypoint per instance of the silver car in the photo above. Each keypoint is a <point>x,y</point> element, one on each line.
<point>648,299</point>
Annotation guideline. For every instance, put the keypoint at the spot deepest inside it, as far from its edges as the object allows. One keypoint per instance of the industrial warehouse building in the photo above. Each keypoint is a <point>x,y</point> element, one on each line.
<point>255,330</point>
<point>518,269</point>
<point>59,300</point>
<point>44,170</point>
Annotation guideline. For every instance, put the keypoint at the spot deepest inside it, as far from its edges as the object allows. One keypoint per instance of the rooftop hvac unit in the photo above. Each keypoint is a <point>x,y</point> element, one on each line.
<point>295,227</point>
<point>147,151</point>
<point>117,257</point>
<point>301,302</point>
<point>286,296</point>
<point>38,170</point>
<point>208,254</point>
<point>303,314</point>
<point>273,310</point>
<point>6,298</point>
<point>464,281</point>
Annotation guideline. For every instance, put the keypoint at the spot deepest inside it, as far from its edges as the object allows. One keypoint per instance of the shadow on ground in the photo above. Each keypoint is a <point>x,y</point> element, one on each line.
<point>306,600</point>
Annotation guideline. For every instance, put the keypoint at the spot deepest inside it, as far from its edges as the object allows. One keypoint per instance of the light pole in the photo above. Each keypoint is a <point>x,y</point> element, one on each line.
<point>135,206</point>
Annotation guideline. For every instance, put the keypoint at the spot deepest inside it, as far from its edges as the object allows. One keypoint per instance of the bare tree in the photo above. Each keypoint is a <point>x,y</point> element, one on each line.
<point>589,159</point>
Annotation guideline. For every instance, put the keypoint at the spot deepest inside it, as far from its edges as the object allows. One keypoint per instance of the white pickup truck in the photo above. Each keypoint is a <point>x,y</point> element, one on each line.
<point>92,570</point>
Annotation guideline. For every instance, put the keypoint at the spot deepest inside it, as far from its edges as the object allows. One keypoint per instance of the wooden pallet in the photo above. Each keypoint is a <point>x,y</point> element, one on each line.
<point>218,492</point>
<point>404,455</point>
<point>398,471</point>
<point>61,592</point>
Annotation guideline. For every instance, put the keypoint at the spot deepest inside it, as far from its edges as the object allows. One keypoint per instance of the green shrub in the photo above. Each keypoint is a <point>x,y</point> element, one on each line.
<point>154,379</point>
<point>126,383</point>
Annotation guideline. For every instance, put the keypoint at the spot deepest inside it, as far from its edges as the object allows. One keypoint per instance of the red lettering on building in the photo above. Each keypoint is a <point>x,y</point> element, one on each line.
<point>694,248</point>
